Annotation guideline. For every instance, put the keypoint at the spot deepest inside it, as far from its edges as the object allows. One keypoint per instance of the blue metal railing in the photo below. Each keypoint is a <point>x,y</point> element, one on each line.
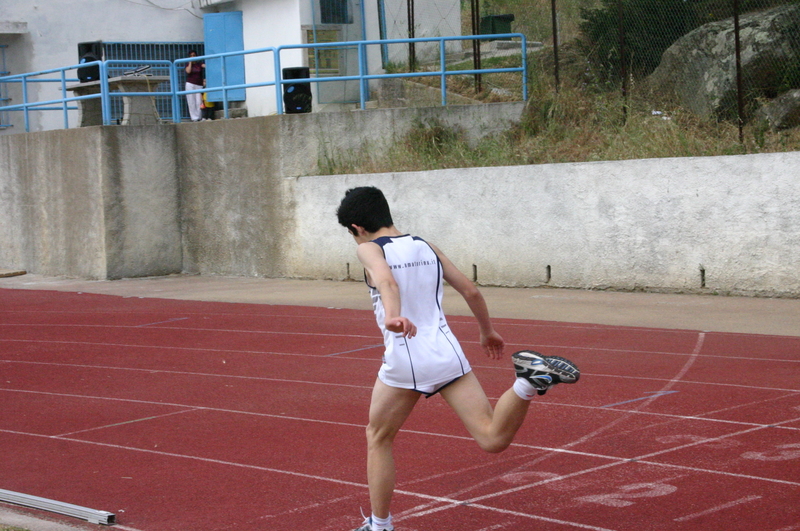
<point>175,92</point>
<point>364,77</point>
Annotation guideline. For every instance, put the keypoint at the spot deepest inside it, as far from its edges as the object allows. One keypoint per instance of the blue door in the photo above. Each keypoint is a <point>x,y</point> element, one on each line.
<point>223,33</point>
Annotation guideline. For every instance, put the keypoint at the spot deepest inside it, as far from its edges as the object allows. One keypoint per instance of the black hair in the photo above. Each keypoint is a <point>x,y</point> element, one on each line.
<point>366,207</point>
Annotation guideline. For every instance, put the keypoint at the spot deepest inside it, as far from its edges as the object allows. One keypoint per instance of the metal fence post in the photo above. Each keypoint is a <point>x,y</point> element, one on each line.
<point>623,61</point>
<point>738,52</point>
<point>555,40</point>
<point>476,43</point>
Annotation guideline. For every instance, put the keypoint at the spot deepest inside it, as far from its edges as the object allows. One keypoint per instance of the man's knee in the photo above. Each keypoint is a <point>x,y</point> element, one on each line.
<point>493,446</point>
<point>377,436</point>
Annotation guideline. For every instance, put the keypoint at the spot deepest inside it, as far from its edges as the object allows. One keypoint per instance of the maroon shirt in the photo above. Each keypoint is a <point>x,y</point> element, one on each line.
<point>195,76</point>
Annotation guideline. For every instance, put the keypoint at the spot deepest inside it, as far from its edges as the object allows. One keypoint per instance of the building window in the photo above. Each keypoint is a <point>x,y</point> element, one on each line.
<point>335,12</point>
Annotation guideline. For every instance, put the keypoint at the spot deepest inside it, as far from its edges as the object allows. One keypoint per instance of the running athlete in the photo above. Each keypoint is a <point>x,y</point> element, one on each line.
<point>422,356</point>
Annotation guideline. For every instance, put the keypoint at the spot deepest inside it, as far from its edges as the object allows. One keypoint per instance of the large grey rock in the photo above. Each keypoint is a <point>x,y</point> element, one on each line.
<point>700,67</point>
<point>781,113</point>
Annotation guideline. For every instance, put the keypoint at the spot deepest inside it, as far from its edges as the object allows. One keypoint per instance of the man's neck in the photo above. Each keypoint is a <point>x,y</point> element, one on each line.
<point>385,231</point>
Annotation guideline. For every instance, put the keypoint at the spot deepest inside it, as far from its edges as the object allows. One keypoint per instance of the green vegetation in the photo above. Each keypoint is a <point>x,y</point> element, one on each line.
<point>573,125</point>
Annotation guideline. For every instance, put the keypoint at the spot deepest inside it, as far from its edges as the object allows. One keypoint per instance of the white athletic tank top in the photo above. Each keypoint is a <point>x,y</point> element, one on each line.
<point>433,358</point>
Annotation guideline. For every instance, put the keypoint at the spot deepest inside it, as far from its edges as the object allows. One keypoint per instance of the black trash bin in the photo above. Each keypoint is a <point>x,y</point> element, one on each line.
<point>296,95</point>
<point>495,24</point>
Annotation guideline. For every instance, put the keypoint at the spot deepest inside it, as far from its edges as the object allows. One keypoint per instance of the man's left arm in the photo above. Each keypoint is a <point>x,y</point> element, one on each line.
<point>380,275</point>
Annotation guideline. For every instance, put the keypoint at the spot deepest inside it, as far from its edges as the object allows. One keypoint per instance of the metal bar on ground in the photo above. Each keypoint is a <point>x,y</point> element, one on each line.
<point>67,509</point>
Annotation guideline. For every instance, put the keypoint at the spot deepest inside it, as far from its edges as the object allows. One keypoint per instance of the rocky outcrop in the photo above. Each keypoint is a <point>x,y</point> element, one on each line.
<point>699,69</point>
<point>781,113</point>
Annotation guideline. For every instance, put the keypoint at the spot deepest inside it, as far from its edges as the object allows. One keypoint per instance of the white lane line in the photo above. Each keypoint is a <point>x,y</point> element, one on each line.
<point>152,324</point>
<point>718,508</point>
<point>126,422</point>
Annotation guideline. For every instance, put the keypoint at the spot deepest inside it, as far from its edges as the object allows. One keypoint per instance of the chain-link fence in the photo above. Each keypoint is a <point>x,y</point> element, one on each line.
<point>721,59</point>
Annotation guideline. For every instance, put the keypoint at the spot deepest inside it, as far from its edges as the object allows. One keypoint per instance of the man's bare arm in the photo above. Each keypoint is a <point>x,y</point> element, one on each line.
<point>380,275</point>
<point>491,341</point>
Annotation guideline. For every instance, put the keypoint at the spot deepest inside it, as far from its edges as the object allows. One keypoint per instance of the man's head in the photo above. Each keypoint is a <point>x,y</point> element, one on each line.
<point>365,207</point>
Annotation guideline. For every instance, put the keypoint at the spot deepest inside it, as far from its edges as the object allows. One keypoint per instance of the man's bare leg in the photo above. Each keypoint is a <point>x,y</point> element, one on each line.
<point>492,430</point>
<point>389,409</point>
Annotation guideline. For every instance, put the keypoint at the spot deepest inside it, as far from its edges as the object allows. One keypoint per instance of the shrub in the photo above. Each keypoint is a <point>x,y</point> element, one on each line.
<point>650,27</point>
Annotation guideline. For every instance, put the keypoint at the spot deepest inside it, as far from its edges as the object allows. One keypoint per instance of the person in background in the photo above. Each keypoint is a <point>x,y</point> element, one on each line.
<point>194,81</point>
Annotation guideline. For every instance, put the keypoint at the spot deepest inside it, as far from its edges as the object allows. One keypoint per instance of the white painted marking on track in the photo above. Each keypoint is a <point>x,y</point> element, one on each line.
<point>655,394</point>
<point>188,373</point>
<point>191,329</point>
<point>718,508</point>
<point>160,322</point>
<point>127,422</point>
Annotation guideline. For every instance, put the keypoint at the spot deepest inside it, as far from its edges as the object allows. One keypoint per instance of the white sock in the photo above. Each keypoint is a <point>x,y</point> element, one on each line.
<point>379,524</point>
<point>524,389</point>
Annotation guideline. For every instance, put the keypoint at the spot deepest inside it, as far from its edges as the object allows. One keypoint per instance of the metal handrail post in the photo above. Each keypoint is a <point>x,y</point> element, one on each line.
<point>173,85</point>
<point>25,103</point>
<point>524,68</point>
<point>362,81</point>
<point>224,88</point>
<point>443,66</point>
<point>278,80</point>
<point>105,99</point>
<point>64,98</point>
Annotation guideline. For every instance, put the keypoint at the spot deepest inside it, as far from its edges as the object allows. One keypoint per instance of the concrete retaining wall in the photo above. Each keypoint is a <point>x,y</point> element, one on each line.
<point>97,202</point>
<point>234,198</point>
<point>726,224</point>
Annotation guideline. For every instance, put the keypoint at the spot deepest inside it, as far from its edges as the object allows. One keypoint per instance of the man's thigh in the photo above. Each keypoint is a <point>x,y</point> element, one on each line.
<point>468,400</point>
<point>390,407</point>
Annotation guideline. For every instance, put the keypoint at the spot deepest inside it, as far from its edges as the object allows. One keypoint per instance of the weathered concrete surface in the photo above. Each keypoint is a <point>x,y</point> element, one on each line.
<point>638,224</point>
<point>51,204</point>
<point>92,202</point>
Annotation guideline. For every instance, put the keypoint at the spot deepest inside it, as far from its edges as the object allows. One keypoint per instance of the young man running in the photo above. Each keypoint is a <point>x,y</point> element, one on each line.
<point>422,356</point>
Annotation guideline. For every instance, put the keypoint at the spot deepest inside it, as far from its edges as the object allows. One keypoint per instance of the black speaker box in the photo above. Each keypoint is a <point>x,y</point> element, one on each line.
<point>296,96</point>
<point>89,52</point>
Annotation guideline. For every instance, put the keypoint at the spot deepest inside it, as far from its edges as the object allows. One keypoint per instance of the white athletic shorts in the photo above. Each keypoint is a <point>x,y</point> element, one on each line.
<point>425,363</point>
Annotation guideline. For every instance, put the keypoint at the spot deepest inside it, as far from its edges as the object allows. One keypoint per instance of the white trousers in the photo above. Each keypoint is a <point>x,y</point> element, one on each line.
<point>194,101</point>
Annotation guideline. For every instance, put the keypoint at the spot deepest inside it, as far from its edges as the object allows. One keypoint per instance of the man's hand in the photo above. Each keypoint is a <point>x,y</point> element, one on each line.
<point>401,325</point>
<point>493,345</point>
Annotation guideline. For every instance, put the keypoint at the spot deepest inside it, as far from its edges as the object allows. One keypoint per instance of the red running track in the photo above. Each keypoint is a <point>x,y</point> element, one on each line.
<point>181,415</point>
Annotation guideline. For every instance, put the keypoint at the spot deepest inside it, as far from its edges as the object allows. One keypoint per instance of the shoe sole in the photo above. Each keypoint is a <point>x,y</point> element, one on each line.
<point>566,371</point>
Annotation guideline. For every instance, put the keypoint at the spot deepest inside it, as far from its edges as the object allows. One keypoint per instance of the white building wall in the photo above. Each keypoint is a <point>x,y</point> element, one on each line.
<point>267,24</point>
<point>55,27</point>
